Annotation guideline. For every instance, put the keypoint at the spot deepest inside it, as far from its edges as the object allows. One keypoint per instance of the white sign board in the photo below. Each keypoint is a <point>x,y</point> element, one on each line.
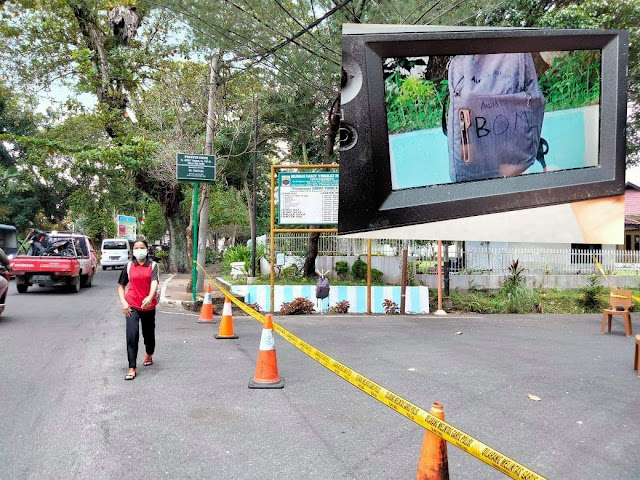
<point>308,198</point>
<point>127,227</point>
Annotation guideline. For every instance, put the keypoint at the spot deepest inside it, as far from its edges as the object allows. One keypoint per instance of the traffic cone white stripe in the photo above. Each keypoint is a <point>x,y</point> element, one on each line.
<point>266,340</point>
<point>207,298</point>
<point>226,310</point>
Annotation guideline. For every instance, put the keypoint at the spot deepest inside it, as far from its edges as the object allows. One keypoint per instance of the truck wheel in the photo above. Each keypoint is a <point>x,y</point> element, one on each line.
<point>85,281</point>
<point>22,287</point>
<point>75,286</point>
<point>104,268</point>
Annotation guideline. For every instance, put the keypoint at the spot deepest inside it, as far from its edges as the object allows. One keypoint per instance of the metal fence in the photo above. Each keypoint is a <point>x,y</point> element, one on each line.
<point>475,260</point>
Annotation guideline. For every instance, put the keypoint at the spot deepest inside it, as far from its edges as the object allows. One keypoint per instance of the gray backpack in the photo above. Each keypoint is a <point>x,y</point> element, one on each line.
<point>495,116</point>
<point>322,288</point>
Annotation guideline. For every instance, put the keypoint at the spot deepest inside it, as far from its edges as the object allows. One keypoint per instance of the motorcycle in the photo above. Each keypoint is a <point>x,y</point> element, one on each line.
<point>4,289</point>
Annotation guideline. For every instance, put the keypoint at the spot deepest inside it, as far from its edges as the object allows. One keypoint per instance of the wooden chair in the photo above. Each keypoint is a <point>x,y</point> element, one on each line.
<point>619,301</point>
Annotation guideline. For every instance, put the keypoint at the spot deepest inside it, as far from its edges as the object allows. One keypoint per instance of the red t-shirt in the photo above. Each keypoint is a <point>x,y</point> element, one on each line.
<point>139,278</point>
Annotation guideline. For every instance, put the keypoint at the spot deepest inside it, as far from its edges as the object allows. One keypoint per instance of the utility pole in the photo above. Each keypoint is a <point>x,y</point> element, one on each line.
<point>203,231</point>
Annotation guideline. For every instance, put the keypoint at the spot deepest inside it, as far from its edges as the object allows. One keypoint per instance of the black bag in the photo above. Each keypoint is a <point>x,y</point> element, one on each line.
<point>322,288</point>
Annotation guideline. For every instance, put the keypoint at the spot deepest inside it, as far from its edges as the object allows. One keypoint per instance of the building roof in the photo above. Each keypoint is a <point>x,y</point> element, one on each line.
<point>632,200</point>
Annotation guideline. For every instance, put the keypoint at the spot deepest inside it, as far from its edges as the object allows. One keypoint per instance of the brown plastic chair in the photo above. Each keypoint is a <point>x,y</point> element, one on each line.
<point>636,358</point>
<point>619,301</point>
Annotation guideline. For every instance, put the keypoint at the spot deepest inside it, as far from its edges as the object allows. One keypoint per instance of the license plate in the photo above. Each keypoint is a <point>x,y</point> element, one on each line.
<point>40,278</point>
<point>114,258</point>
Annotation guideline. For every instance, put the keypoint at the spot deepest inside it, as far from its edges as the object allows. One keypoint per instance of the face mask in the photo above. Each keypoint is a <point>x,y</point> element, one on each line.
<point>139,253</point>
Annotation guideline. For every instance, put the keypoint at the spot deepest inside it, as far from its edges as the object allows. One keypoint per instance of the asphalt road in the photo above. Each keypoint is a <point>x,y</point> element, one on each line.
<point>66,412</point>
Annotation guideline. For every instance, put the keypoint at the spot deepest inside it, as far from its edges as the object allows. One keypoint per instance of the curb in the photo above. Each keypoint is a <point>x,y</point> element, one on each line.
<point>186,304</point>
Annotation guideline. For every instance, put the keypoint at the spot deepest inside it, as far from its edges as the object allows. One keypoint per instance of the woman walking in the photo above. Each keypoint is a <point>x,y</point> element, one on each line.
<point>139,304</point>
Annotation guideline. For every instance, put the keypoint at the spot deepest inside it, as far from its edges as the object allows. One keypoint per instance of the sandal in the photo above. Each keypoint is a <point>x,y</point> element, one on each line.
<point>146,363</point>
<point>130,376</point>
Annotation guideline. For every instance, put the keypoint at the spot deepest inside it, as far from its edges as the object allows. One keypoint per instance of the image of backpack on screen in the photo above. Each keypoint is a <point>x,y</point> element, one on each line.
<point>495,115</point>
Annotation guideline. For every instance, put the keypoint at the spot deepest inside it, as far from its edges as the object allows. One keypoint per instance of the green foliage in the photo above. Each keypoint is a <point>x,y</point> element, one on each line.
<point>515,277</point>
<point>291,271</point>
<point>590,300</point>
<point>376,277</point>
<point>155,225</point>
<point>359,269</point>
<point>518,299</point>
<point>240,253</point>
<point>298,306</point>
<point>413,103</point>
<point>342,268</point>
<point>573,81</point>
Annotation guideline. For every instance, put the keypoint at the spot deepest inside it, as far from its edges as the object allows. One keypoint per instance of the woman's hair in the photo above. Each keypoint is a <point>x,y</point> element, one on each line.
<point>146,245</point>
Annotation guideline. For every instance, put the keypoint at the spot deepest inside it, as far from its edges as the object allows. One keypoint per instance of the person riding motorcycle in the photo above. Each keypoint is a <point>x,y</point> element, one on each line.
<point>4,278</point>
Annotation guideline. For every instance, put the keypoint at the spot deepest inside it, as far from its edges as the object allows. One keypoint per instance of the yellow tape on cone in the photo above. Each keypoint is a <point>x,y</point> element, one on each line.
<point>451,434</point>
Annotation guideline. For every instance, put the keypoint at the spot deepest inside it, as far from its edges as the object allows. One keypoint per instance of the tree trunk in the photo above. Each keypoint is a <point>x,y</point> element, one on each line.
<point>309,268</point>
<point>178,251</point>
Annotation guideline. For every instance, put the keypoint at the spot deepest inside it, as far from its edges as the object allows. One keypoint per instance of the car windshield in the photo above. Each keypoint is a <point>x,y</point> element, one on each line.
<point>114,245</point>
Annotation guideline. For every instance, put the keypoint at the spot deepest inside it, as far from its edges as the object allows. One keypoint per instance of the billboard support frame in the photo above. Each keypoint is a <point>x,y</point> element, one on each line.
<point>274,231</point>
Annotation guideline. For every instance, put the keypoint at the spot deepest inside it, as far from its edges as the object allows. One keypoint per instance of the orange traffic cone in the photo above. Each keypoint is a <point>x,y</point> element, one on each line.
<point>266,375</point>
<point>226,322</point>
<point>433,463</point>
<point>206,312</point>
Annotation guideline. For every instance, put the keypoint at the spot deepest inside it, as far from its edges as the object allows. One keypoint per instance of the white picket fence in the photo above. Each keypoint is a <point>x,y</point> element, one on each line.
<point>477,260</point>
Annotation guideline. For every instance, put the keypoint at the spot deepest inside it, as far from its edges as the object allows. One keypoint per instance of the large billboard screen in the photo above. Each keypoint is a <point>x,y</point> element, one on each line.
<point>441,123</point>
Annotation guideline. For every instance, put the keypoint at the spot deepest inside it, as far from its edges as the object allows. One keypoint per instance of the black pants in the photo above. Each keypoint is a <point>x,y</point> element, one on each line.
<point>148,321</point>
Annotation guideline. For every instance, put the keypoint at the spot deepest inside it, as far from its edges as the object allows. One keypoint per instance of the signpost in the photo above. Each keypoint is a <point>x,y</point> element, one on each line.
<point>196,168</point>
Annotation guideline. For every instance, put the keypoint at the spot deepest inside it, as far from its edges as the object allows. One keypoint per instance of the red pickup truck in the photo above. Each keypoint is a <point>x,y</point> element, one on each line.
<point>56,259</point>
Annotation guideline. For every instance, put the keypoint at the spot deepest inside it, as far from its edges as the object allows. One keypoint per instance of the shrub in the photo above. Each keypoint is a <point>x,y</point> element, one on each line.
<point>390,307</point>
<point>241,253</point>
<point>291,271</point>
<point>255,306</point>
<point>359,269</point>
<point>298,306</point>
<point>589,300</point>
<point>516,275</point>
<point>518,299</point>
<point>376,276</point>
<point>342,269</point>
<point>340,307</point>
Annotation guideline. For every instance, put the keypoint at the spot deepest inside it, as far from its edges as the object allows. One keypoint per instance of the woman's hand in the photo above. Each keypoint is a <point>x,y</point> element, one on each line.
<point>146,302</point>
<point>126,309</point>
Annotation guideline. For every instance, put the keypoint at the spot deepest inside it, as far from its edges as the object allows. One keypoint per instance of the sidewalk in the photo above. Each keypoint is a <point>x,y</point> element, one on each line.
<point>175,291</point>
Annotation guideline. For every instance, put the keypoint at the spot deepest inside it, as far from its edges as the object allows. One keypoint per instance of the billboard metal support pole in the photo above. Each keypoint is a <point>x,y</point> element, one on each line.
<point>272,240</point>
<point>440,311</point>
<point>194,267</point>
<point>368,276</point>
<point>403,288</point>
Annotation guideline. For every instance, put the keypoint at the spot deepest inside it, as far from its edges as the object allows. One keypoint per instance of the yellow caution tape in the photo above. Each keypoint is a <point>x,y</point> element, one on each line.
<point>614,295</point>
<point>451,434</point>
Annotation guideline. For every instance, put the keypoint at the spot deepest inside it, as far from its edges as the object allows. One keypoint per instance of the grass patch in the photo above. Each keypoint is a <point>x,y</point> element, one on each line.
<point>547,301</point>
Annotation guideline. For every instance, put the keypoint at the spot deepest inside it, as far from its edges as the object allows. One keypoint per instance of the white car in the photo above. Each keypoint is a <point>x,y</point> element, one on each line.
<point>115,252</point>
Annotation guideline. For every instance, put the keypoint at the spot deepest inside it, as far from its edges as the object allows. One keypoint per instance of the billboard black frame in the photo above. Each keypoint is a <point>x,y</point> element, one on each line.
<point>367,201</point>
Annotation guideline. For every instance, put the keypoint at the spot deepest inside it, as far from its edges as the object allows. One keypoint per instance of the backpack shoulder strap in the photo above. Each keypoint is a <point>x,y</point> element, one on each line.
<point>128,269</point>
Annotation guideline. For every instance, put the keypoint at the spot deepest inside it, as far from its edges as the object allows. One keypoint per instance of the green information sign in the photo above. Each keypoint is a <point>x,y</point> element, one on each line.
<point>191,167</point>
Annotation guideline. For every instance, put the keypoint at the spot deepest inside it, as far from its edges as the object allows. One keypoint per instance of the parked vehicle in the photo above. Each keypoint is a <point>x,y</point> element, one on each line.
<point>56,259</point>
<point>3,293</point>
<point>8,240</point>
<point>115,252</point>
